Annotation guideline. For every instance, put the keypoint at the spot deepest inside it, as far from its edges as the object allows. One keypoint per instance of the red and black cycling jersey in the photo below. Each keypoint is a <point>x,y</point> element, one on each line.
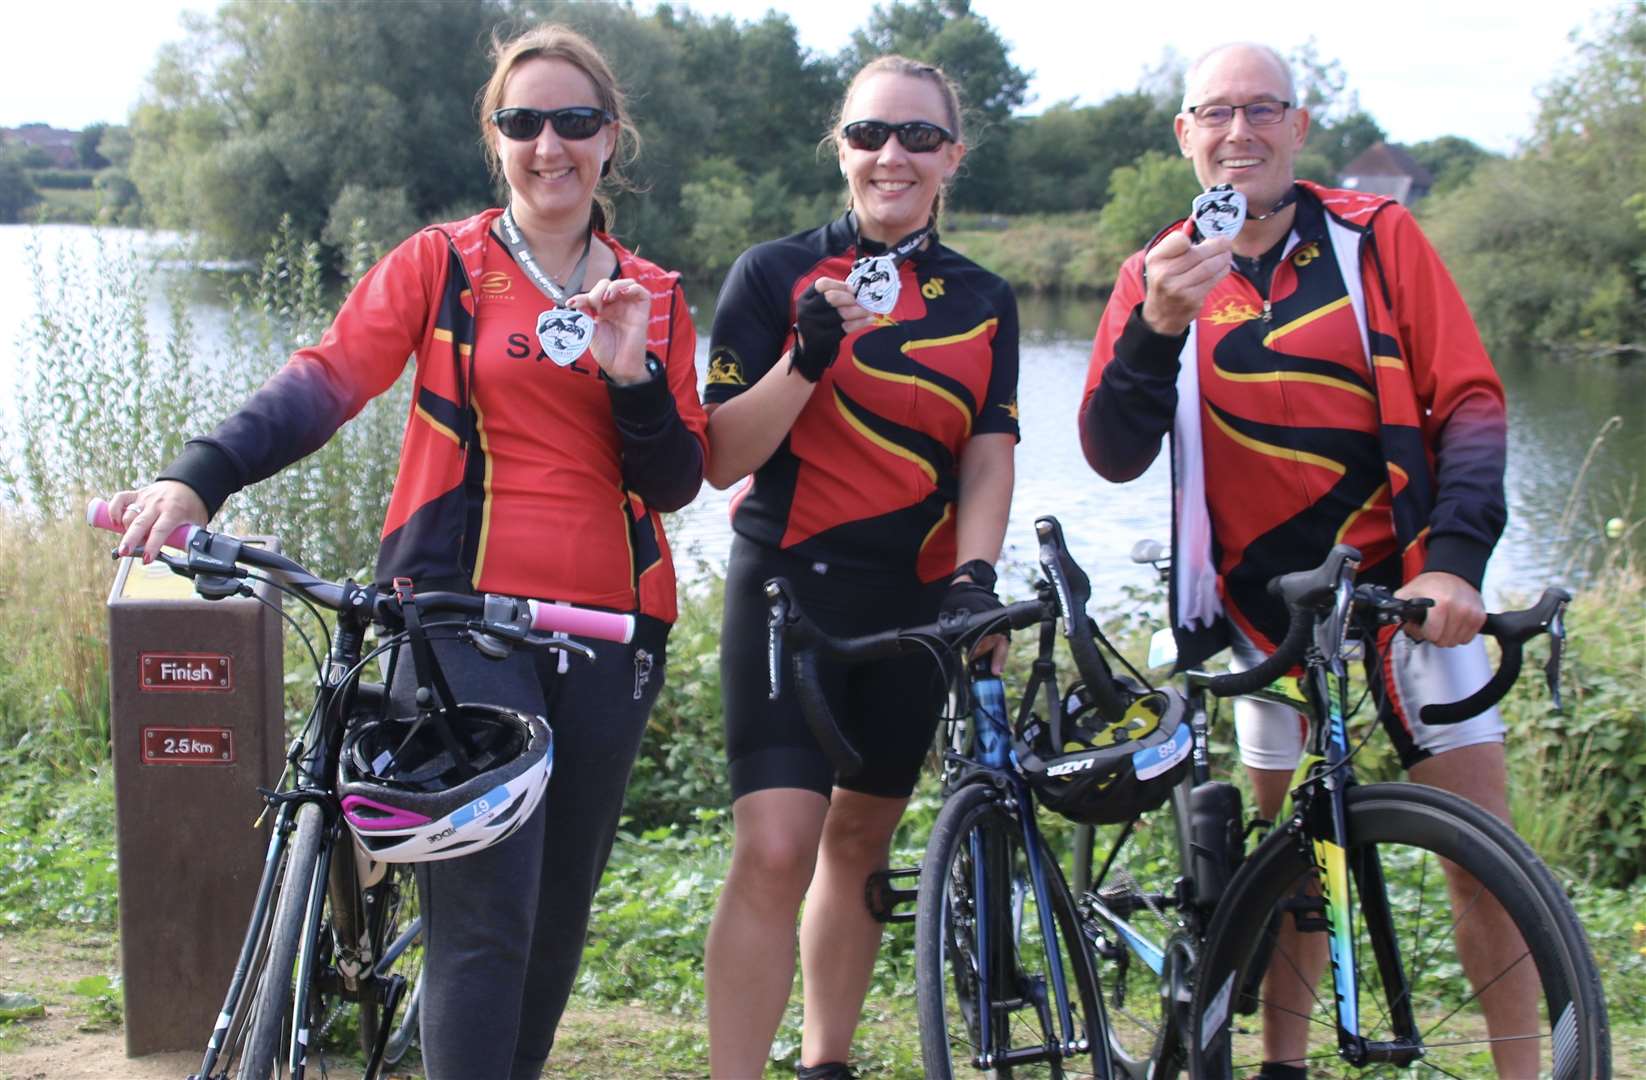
<point>1290,427</point>
<point>867,476</point>
<point>515,475</point>
<point>1361,408</point>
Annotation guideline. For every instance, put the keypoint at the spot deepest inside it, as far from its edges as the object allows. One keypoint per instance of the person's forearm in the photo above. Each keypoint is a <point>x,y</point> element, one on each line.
<point>745,431</point>
<point>987,475</point>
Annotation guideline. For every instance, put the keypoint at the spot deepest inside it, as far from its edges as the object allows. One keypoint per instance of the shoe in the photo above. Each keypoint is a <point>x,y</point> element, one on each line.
<point>829,1070</point>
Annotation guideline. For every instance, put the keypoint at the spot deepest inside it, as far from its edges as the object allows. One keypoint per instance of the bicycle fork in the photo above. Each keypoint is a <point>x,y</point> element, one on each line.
<point>994,957</point>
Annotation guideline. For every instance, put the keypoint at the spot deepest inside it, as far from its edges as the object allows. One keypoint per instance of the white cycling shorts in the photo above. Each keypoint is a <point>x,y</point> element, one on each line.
<point>1416,673</point>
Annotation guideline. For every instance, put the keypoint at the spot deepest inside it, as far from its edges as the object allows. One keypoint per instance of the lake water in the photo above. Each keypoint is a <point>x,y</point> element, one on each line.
<point>1555,410</point>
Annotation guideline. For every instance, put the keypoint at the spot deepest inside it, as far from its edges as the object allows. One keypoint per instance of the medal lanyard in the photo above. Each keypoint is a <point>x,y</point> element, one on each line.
<point>874,278</point>
<point>516,243</point>
<point>899,252</point>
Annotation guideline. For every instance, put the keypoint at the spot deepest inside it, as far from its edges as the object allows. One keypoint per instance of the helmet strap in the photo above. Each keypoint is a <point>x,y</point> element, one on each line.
<point>442,711</point>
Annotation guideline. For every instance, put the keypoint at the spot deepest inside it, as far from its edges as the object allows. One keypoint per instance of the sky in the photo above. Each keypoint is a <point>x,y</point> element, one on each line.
<point>1422,68</point>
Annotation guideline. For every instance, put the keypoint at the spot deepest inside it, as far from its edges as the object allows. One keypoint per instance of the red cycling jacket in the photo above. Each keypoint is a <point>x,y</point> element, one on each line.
<point>606,463</point>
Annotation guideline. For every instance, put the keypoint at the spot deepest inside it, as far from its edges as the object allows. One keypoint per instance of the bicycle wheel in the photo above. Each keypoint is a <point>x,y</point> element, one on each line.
<point>271,1003</point>
<point>1144,937</point>
<point>403,932</point>
<point>983,954</point>
<point>1421,1012</point>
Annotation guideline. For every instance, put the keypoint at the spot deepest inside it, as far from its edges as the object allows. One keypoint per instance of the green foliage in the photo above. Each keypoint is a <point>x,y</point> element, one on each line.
<point>56,847</point>
<point>971,52</point>
<point>1043,252</point>
<point>1063,159</point>
<point>99,400</point>
<point>1580,775</point>
<point>72,179</point>
<point>86,144</point>
<point>1545,245</point>
<point>271,109</point>
<point>101,1001</point>
<point>1450,159</point>
<point>17,191</point>
<point>682,764</point>
<point>378,218</point>
<point>1144,198</point>
<point>719,206</point>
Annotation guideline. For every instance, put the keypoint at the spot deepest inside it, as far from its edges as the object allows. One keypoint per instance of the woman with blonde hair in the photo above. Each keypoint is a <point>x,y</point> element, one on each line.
<point>554,415</point>
<point>866,376</point>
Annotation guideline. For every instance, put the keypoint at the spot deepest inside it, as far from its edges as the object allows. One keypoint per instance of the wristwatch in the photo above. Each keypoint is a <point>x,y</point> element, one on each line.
<point>980,570</point>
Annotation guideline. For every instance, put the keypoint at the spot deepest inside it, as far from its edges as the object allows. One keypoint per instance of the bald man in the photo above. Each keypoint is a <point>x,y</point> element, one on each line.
<point>1322,381</point>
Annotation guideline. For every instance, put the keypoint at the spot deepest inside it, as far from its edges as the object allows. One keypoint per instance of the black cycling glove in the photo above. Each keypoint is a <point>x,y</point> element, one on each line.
<point>967,598</point>
<point>818,332</point>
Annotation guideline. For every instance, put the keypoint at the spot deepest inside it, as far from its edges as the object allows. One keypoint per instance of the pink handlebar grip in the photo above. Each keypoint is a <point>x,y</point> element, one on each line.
<point>605,625</point>
<point>98,516</point>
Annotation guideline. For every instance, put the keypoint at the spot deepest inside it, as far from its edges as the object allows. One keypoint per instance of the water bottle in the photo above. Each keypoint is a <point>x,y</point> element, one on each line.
<point>1215,839</point>
<point>989,717</point>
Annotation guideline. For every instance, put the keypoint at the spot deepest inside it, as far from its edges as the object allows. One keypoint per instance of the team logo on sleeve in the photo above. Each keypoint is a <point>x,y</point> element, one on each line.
<point>564,334</point>
<point>875,283</point>
<point>725,369</point>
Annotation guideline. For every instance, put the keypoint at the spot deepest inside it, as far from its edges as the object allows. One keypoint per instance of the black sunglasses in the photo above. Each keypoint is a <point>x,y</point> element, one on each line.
<point>917,136</point>
<point>576,123</point>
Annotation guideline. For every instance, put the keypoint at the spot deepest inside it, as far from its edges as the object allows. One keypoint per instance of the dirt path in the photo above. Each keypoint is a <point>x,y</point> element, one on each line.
<point>75,1040</point>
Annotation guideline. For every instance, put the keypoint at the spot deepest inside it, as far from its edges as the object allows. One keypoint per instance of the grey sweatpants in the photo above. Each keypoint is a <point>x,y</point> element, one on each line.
<point>504,927</point>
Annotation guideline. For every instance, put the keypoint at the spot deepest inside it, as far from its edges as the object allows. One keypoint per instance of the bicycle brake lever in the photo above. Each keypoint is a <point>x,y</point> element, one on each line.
<point>1557,642</point>
<point>776,622</point>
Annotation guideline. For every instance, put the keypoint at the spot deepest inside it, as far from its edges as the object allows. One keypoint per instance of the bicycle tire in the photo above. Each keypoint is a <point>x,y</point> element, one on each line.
<point>407,966</point>
<point>1024,1017</point>
<point>1396,835</point>
<point>273,1000</point>
<point>1142,914</point>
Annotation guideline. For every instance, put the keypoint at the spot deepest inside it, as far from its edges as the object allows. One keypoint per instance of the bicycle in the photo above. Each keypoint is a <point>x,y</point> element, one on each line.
<point>1005,982</point>
<point>1186,928</point>
<point>333,927</point>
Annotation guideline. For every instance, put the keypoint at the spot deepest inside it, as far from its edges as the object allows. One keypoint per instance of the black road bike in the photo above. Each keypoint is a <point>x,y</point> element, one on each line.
<point>1194,935</point>
<point>334,939</point>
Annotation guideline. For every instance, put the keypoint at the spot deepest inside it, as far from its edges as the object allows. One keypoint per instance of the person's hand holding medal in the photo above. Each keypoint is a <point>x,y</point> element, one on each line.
<point>826,314</point>
<point>621,311</point>
<point>1185,265</point>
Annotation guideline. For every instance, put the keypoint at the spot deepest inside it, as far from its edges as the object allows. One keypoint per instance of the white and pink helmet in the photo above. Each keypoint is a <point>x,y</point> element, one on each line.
<point>408,797</point>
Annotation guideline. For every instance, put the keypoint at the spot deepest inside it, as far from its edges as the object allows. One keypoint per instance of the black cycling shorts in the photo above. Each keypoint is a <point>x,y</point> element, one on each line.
<point>888,709</point>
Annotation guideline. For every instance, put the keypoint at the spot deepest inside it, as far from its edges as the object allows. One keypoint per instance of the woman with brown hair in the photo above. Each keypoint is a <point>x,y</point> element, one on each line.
<point>866,376</point>
<point>554,415</point>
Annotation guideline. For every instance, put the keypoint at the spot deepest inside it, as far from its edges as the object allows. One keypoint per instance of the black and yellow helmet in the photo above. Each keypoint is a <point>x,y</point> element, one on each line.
<point>1104,774</point>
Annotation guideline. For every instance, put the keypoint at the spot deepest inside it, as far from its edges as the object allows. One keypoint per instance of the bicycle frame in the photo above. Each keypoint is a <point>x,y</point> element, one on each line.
<point>313,768</point>
<point>989,763</point>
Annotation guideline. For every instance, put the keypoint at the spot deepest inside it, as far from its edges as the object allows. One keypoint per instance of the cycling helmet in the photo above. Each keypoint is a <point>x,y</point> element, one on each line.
<point>1105,775</point>
<point>407,799</point>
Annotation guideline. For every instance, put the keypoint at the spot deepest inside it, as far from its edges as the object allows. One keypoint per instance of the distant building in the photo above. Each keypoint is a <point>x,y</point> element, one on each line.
<point>1386,169</point>
<point>55,143</point>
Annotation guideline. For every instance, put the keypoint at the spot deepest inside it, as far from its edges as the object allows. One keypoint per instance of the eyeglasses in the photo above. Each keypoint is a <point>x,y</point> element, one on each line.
<point>576,123</point>
<point>1258,113</point>
<point>917,136</point>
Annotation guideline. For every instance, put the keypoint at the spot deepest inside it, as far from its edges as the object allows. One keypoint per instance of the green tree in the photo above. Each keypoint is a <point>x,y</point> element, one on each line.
<point>1450,159</point>
<point>719,205</point>
<point>1144,198</point>
<point>17,192</point>
<point>85,147</point>
<point>946,33</point>
<point>1062,159</point>
<point>1547,245</point>
<point>270,109</point>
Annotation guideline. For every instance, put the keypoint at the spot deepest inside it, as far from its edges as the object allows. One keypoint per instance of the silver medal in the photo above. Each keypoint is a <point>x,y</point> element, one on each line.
<point>564,334</point>
<point>1221,211</point>
<point>876,283</point>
